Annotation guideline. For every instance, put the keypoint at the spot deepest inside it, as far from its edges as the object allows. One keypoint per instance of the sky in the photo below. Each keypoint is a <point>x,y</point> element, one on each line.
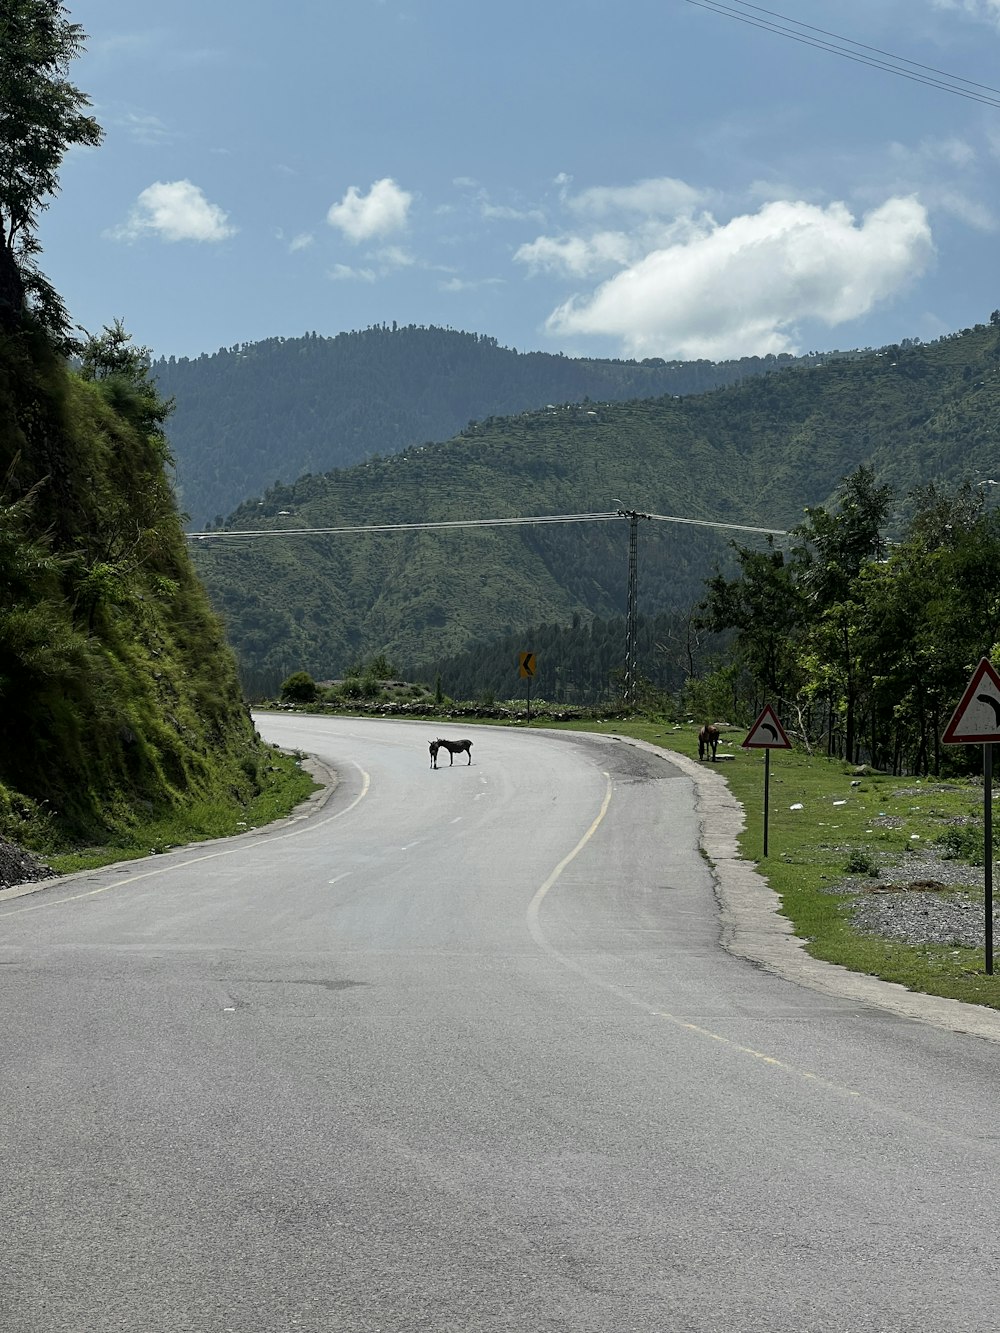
<point>636,178</point>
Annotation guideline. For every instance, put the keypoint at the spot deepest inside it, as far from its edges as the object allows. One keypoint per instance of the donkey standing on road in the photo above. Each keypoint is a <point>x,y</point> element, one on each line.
<point>453,748</point>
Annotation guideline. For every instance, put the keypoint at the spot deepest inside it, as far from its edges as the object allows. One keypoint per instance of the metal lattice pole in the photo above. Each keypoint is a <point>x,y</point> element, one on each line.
<point>631,616</point>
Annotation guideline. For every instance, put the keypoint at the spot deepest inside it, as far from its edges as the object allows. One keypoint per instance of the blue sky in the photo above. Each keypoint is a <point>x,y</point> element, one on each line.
<point>637,178</point>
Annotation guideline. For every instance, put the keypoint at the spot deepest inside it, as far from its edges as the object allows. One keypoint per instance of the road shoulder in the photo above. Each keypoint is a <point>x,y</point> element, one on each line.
<point>753,927</point>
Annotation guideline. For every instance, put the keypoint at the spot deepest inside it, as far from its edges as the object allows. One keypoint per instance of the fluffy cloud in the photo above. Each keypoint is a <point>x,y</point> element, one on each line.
<point>662,196</point>
<point>361,217</point>
<point>577,256</point>
<point>746,283</point>
<point>175,211</point>
<point>986,10</point>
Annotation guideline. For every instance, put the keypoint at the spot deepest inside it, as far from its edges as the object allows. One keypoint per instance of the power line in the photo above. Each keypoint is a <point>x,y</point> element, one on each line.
<point>849,49</point>
<point>459,523</point>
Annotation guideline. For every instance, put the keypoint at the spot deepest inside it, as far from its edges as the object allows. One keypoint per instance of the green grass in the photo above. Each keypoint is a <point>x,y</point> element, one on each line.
<point>283,786</point>
<point>883,819</point>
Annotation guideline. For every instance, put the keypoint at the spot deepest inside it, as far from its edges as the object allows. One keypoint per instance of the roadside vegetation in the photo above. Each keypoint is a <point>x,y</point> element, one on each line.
<point>123,726</point>
<point>279,789</point>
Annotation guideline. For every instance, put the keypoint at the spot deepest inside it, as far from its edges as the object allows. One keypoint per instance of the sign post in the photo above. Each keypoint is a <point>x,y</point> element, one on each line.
<point>526,667</point>
<point>767,734</point>
<point>976,720</point>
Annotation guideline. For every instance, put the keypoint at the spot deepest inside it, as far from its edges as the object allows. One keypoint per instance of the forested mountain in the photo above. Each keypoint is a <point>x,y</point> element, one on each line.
<point>257,413</point>
<point>756,453</point>
<point>578,663</point>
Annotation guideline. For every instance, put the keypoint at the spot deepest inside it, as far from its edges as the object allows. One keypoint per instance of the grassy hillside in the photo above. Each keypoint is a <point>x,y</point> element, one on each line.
<point>120,697</point>
<point>251,414</point>
<point>755,453</point>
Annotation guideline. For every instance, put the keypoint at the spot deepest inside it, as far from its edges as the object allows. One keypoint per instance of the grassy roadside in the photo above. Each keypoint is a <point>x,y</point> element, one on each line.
<point>283,785</point>
<point>848,826</point>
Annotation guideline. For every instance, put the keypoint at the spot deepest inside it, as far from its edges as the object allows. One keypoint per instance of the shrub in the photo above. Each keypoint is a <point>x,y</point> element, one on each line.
<point>963,842</point>
<point>861,862</point>
<point>299,688</point>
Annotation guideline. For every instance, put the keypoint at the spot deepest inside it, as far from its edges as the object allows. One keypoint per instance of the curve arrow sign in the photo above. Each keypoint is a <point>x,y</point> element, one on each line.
<point>976,719</point>
<point>767,733</point>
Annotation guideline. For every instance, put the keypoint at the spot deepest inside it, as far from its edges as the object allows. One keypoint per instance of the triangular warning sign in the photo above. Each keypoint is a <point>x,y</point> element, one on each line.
<point>767,733</point>
<point>977,717</point>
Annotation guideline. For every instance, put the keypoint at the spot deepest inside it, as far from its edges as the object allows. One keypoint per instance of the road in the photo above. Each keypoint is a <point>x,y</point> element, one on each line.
<point>461,1051</point>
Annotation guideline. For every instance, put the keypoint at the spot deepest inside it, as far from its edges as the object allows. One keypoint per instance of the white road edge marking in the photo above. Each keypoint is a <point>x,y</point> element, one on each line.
<point>209,856</point>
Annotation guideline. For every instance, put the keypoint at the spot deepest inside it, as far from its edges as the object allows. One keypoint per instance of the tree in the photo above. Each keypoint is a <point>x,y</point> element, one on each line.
<point>764,605</point>
<point>42,116</point>
<point>122,369</point>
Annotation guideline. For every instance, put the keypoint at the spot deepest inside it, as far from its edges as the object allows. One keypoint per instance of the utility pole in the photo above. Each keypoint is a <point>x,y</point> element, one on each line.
<point>631,631</point>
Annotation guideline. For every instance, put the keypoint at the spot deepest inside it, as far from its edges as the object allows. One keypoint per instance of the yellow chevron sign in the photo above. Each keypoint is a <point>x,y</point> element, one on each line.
<point>526,664</point>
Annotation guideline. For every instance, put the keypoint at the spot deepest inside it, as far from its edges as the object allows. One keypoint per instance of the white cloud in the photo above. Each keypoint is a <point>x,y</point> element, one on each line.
<point>301,242</point>
<point>724,289</point>
<point>578,256</point>
<point>175,211</point>
<point>346,273</point>
<point>986,10</point>
<point>382,210</point>
<point>457,285</point>
<point>392,257</point>
<point>662,197</point>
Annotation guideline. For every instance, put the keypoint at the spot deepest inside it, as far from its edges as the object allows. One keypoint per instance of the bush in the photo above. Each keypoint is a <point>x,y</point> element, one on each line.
<point>861,862</point>
<point>963,842</point>
<point>299,688</point>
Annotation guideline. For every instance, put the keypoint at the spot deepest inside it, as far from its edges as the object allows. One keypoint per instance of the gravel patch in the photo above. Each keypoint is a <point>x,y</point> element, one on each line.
<point>19,867</point>
<point>922,898</point>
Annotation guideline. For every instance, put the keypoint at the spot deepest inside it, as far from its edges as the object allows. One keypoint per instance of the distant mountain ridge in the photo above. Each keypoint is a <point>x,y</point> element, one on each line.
<point>259,413</point>
<point>755,453</point>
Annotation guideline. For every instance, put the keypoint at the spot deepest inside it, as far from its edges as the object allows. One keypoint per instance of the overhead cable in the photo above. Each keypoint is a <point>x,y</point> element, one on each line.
<point>849,49</point>
<point>459,523</point>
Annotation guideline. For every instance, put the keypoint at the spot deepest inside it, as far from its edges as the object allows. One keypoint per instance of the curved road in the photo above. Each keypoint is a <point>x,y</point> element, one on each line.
<point>457,1051</point>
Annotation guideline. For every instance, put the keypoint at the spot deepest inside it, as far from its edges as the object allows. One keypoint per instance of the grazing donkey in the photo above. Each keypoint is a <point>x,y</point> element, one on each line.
<point>708,739</point>
<point>453,748</point>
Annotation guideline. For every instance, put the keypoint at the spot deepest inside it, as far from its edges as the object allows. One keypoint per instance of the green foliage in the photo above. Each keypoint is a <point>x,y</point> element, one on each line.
<point>42,116</point>
<point>861,862</point>
<point>578,663</point>
<point>882,640</point>
<point>299,688</point>
<point>963,842</point>
<point>119,695</point>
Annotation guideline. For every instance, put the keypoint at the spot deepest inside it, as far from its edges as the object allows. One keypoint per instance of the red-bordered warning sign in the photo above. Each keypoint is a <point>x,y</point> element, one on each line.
<point>767,733</point>
<point>977,717</point>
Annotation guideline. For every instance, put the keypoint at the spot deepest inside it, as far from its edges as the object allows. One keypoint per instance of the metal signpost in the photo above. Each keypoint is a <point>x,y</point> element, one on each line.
<point>976,720</point>
<point>526,668</point>
<point>767,734</point>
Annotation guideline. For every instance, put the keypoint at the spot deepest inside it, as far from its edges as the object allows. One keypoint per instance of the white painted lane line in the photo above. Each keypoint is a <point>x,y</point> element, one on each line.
<point>209,856</point>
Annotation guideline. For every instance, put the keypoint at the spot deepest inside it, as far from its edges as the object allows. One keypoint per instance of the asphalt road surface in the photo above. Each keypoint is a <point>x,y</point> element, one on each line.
<point>460,1051</point>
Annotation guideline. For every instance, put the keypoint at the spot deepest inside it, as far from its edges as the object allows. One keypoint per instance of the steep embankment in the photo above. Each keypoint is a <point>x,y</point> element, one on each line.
<point>120,697</point>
